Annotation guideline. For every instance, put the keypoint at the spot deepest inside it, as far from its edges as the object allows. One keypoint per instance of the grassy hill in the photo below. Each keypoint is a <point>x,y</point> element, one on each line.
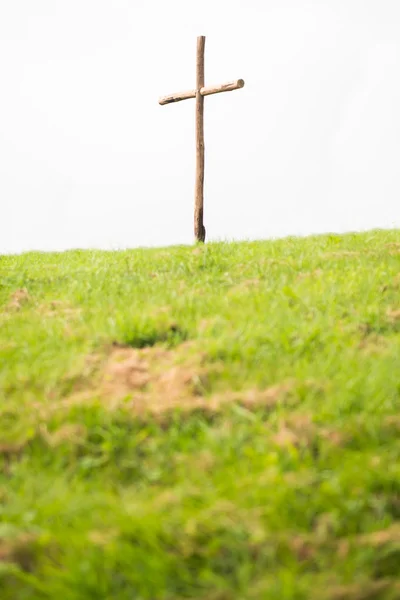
<point>217,422</point>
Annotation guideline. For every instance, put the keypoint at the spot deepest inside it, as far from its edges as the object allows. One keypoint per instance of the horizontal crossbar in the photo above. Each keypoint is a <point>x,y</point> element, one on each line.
<point>204,91</point>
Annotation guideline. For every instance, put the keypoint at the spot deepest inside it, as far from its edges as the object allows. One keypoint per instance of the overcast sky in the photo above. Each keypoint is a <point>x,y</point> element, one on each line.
<point>88,158</point>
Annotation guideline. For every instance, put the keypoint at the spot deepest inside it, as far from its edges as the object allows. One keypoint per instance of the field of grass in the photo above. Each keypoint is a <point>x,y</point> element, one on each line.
<point>215,422</point>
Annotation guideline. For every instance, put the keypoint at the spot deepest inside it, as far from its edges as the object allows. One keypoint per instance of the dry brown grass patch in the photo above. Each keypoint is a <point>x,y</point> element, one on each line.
<point>71,433</point>
<point>390,535</point>
<point>303,548</point>
<point>158,381</point>
<point>146,380</point>
<point>102,538</point>
<point>247,284</point>
<point>392,422</point>
<point>11,448</point>
<point>370,590</point>
<point>281,262</point>
<point>300,430</point>
<point>18,298</point>
<point>296,430</point>
<point>334,436</point>
<point>18,550</point>
<point>372,344</point>
<point>393,315</point>
<point>57,308</point>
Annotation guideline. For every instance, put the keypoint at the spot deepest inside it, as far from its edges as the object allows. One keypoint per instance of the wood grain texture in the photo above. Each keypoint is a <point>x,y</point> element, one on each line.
<point>224,87</point>
<point>199,229</point>
<point>177,97</point>
<point>237,84</point>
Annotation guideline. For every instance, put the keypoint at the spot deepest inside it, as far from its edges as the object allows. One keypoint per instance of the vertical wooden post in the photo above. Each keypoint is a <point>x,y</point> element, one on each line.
<point>199,93</point>
<point>199,229</point>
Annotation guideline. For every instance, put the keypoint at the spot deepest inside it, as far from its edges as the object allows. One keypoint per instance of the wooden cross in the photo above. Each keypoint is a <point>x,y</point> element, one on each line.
<point>199,93</point>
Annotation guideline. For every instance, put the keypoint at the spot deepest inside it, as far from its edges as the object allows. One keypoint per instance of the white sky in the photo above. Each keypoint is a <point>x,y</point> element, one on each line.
<point>89,159</point>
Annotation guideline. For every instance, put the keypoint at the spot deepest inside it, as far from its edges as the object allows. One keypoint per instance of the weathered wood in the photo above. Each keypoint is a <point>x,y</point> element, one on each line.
<point>199,93</point>
<point>177,97</point>
<point>224,87</point>
<point>199,229</point>
<point>205,91</point>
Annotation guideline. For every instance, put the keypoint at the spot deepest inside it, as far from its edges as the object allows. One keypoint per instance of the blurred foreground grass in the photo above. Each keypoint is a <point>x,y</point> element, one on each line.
<point>215,422</point>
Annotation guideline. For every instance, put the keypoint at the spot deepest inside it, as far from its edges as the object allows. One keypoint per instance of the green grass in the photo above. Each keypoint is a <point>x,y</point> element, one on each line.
<point>276,475</point>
